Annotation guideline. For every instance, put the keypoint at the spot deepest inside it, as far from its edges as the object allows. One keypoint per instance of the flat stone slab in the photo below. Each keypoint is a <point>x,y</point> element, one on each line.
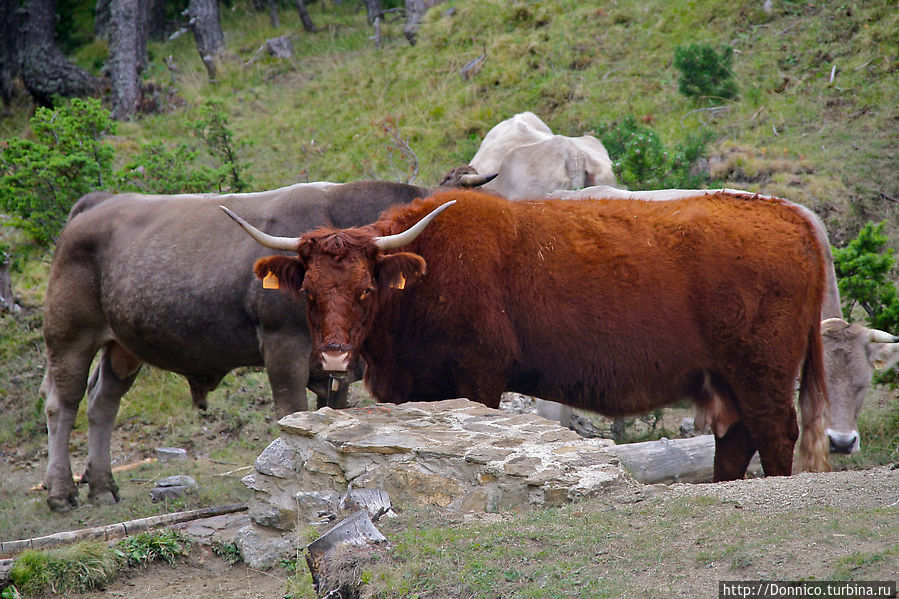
<point>454,454</point>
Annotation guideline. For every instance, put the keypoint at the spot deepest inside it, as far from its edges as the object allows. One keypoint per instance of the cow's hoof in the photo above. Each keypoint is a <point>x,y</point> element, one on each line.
<point>63,503</point>
<point>103,498</point>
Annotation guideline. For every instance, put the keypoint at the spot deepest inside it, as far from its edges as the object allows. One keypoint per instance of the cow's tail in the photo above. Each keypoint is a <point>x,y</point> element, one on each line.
<point>813,404</point>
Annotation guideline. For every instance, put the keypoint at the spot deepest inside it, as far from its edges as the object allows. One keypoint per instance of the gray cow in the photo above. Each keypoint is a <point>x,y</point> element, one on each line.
<point>853,351</point>
<point>169,281</point>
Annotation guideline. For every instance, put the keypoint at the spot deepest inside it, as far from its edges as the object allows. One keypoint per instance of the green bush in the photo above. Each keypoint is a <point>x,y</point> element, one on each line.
<point>67,156</point>
<point>159,169</point>
<point>863,276</point>
<point>40,178</point>
<point>641,161</point>
<point>213,128</point>
<point>863,271</point>
<point>704,72</point>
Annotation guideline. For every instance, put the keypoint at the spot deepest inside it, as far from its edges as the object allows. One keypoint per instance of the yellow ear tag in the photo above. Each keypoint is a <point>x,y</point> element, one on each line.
<point>270,281</point>
<point>399,283</point>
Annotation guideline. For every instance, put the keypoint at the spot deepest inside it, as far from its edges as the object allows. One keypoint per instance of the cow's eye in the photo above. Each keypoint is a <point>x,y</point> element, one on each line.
<point>365,293</point>
<point>310,296</point>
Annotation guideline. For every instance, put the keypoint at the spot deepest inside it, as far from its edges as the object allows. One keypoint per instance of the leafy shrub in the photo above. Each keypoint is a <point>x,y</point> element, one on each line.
<point>147,547</point>
<point>159,169</point>
<point>862,269</point>
<point>704,72</point>
<point>212,127</point>
<point>68,156</point>
<point>40,178</point>
<point>641,161</point>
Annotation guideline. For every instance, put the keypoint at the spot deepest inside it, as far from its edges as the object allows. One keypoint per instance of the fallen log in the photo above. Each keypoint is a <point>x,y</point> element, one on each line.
<point>673,460</point>
<point>114,531</point>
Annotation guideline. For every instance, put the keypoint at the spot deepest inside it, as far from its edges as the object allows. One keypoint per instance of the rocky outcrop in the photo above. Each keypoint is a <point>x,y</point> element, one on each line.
<point>454,454</point>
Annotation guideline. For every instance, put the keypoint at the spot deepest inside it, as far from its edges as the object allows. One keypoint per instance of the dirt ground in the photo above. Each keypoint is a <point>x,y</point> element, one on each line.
<point>808,552</point>
<point>202,575</point>
<point>810,547</point>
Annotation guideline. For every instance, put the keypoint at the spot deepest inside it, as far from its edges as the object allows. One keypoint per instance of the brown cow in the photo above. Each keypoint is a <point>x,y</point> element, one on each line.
<point>613,306</point>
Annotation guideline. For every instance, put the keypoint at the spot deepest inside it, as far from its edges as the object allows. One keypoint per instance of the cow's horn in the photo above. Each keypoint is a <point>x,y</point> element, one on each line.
<point>288,244</point>
<point>881,336</point>
<point>472,180</point>
<point>390,242</point>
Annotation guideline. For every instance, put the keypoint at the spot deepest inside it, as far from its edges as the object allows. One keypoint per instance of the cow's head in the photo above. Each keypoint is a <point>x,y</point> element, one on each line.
<point>344,275</point>
<point>466,176</point>
<point>851,352</point>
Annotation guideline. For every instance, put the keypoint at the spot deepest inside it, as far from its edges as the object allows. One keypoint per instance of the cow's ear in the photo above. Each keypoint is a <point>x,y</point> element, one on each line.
<point>398,271</point>
<point>280,272</point>
<point>883,356</point>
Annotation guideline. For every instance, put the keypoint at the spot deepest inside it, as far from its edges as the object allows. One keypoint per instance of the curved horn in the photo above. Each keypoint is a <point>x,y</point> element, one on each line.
<point>831,324</point>
<point>881,336</point>
<point>390,242</point>
<point>476,180</point>
<point>288,244</point>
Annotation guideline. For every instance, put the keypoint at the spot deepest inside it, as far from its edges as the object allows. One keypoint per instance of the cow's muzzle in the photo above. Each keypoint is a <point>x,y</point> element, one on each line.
<point>335,361</point>
<point>843,442</point>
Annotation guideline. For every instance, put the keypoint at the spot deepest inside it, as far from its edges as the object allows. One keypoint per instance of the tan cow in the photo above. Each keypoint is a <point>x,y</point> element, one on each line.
<point>851,352</point>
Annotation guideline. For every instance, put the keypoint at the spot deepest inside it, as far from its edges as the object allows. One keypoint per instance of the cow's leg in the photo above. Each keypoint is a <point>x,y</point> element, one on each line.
<point>480,385</point>
<point>733,452</point>
<point>63,387</point>
<point>286,356</point>
<point>112,378</point>
<point>775,436</point>
<point>766,409</point>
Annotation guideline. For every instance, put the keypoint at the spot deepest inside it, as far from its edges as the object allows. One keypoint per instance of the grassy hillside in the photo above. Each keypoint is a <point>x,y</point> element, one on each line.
<point>816,118</point>
<point>794,131</point>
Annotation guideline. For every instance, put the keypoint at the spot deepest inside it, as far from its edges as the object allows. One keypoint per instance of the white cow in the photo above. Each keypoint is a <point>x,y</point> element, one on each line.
<point>532,161</point>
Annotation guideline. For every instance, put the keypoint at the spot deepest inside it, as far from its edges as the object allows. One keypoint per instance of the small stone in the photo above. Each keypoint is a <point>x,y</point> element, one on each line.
<point>158,494</point>
<point>179,480</point>
<point>170,454</point>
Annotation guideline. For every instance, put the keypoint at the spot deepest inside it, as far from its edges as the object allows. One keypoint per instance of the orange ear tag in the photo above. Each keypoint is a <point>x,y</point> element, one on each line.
<point>400,283</point>
<point>270,281</point>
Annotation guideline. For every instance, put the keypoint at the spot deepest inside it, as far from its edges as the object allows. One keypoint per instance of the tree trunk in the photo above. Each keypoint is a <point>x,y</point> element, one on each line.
<point>308,26</point>
<point>127,47</point>
<point>373,10</point>
<point>102,16</point>
<point>7,300</point>
<point>273,14</point>
<point>10,24</point>
<point>152,22</point>
<point>204,22</point>
<point>415,11</point>
<point>45,70</point>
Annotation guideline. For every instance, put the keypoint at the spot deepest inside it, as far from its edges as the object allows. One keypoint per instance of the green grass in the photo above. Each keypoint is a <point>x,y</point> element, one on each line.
<point>91,564</point>
<point>791,131</point>
<point>600,549</point>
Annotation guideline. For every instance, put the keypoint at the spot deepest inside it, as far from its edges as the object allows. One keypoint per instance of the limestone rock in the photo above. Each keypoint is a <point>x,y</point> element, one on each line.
<point>454,454</point>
